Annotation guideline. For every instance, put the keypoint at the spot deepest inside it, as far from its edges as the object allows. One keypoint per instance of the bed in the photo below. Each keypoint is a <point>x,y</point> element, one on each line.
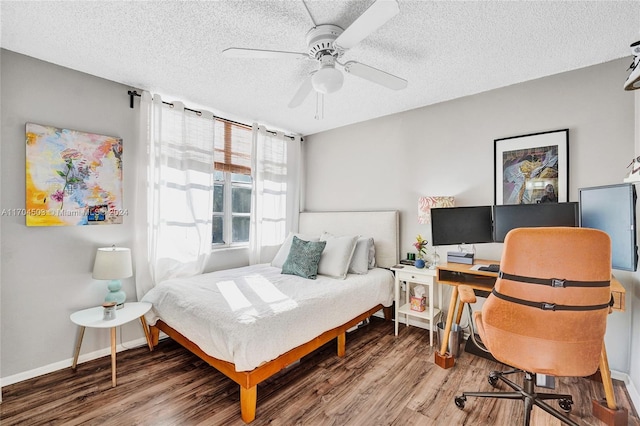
<point>299,315</point>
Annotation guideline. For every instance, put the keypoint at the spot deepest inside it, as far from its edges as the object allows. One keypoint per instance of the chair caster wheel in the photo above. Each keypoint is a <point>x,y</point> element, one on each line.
<point>460,400</point>
<point>493,378</point>
<point>565,404</point>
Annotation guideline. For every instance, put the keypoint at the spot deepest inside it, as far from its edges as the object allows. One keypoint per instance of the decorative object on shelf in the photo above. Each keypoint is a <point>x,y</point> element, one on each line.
<point>532,168</point>
<point>633,81</point>
<point>425,204</point>
<point>418,301</point>
<point>634,173</point>
<point>411,256</point>
<point>113,263</point>
<point>73,178</point>
<point>420,263</point>
<point>421,246</point>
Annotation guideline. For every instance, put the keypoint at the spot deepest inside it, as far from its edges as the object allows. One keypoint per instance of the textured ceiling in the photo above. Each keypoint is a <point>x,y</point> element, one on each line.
<point>445,49</point>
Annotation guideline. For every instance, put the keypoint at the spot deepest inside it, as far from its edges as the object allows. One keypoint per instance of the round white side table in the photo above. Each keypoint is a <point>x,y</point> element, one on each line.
<point>93,318</point>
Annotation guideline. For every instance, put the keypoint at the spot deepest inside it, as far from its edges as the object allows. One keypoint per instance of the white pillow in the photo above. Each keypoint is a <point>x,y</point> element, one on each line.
<point>337,255</point>
<point>372,254</point>
<point>285,248</point>
<point>360,261</point>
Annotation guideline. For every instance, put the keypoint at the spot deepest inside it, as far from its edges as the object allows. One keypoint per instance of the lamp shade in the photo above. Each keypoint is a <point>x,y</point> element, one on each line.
<point>112,263</point>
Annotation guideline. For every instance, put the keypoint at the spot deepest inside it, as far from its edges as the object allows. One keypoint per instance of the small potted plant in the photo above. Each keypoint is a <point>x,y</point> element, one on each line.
<point>421,247</point>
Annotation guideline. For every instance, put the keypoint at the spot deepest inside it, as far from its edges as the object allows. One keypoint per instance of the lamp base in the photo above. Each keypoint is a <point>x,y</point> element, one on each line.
<point>116,294</point>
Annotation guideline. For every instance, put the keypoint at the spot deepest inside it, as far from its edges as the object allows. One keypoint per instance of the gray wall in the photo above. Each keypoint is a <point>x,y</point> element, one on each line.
<point>447,149</point>
<point>46,271</point>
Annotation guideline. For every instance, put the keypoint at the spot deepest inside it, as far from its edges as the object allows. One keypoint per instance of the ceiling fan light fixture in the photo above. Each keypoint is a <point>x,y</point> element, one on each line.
<point>327,80</point>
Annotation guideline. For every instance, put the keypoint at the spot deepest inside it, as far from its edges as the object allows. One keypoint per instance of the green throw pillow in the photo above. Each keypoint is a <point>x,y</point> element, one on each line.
<point>303,258</point>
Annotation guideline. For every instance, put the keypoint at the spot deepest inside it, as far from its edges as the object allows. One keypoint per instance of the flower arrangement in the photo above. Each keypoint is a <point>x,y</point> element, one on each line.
<point>421,246</point>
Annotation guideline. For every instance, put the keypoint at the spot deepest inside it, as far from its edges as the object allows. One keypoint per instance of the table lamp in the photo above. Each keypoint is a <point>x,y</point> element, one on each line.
<point>113,263</point>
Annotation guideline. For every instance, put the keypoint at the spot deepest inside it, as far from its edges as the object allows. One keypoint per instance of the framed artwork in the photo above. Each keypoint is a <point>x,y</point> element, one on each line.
<point>425,204</point>
<point>72,177</point>
<point>533,168</point>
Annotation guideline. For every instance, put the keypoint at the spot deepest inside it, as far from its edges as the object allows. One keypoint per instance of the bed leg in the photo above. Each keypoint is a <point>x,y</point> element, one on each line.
<point>248,400</point>
<point>155,335</point>
<point>388,313</point>
<point>342,340</point>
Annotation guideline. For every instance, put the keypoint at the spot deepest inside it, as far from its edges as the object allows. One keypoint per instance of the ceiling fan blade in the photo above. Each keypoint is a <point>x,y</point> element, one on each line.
<point>373,18</point>
<point>375,75</point>
<point>303,91</point>
<point>239,52</point>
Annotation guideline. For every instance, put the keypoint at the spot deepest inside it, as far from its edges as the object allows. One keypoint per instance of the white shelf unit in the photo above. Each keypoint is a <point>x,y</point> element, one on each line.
<point>414,276</point>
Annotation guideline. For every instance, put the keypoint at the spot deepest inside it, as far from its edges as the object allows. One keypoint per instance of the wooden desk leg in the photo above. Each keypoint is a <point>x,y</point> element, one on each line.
<point>77,350</point>
<point>610,414</point>
<point>442,358</point>
<point>113,357</point>
<point>146,332</point>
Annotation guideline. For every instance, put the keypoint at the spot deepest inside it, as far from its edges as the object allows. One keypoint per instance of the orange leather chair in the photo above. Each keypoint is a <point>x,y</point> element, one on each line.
<point>547,313</point>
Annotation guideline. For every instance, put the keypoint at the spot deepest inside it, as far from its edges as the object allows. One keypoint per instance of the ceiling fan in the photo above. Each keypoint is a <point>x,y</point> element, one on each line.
<point>326,45</point>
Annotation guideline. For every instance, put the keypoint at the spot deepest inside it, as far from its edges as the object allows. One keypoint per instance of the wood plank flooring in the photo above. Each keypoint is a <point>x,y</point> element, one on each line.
<point>382,380</point>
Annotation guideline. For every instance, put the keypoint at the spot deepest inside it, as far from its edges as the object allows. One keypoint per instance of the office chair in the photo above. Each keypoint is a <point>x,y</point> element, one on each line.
<point>547,313</point>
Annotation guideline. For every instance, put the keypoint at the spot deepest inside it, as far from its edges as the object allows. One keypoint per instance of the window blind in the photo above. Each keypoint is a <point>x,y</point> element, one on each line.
<point>232,148</point>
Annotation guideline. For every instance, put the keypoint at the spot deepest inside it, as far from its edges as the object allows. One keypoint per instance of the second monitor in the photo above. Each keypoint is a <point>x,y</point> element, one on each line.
<point>508,217</point>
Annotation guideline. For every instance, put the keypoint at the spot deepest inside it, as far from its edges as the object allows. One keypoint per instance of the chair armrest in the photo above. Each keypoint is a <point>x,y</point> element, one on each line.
<point>466,294</point>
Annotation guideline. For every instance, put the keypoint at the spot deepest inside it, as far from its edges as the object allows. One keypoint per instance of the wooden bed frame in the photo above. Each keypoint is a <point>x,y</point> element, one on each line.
<point>248,380</point>
<point>382,226</point>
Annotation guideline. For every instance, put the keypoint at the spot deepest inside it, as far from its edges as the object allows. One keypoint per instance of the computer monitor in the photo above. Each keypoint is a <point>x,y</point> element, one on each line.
<point>461,225</point>
<point>612,209</point>
<point>509,216</point>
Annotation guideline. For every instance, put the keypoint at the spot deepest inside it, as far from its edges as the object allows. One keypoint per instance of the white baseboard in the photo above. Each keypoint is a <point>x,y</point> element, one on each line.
<point>6,381</point>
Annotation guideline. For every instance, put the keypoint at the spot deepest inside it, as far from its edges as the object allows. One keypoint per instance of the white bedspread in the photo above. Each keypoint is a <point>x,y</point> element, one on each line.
<point>254,314</point>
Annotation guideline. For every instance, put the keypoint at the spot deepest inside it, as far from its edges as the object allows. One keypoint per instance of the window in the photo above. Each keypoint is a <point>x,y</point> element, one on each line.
<point>232,184</point>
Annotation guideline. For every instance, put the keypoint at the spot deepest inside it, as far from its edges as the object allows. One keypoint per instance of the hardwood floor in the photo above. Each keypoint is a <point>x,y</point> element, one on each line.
<point>382,380</point>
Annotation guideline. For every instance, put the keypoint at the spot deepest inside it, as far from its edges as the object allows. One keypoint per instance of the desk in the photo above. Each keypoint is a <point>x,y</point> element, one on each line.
<point>455,274</point>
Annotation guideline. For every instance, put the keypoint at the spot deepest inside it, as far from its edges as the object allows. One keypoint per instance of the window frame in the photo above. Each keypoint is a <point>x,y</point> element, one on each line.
<point>227,213</point>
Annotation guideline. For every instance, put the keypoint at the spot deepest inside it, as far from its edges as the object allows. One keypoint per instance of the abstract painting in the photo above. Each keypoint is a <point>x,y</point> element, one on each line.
<point>72,177</point>
<point>532,169</point>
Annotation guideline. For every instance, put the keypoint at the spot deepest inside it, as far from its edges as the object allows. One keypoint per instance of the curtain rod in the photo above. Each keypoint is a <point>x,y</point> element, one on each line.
<point>135,93</point>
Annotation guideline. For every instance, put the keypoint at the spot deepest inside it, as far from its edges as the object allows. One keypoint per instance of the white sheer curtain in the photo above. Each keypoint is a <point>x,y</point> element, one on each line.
<point>276,170</point>
<point>175,190</point>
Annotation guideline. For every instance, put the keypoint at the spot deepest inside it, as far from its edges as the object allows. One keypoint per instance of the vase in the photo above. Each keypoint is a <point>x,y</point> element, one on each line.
<point>419,263</point>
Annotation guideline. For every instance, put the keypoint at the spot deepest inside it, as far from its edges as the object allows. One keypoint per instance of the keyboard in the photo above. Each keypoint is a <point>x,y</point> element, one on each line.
<point>491,268</point>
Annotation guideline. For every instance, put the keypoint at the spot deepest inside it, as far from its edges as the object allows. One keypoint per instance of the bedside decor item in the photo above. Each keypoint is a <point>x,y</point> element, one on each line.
<point>113,263</point>
<point>532,168</point>
<point>109,311</point>
<point>425,204</point>
<point>72,177</point>
<point>419,263</point>
<point>421,246</point>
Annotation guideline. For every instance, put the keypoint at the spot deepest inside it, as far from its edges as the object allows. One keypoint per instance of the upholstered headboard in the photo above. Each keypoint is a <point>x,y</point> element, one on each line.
<point>383,226</point>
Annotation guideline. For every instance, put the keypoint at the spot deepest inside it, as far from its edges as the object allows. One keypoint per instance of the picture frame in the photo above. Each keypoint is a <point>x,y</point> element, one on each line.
<point>532,168</point>
<point>72,177</point>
